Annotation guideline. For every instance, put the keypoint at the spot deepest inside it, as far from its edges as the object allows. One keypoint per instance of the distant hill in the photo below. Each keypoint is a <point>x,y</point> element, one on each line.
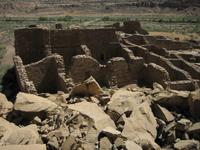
<point>105,6</point>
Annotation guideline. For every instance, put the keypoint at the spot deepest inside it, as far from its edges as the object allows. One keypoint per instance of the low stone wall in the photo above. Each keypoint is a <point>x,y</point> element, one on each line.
<point>155,73</point>
<point>24,83</point>
<point>174,72</point>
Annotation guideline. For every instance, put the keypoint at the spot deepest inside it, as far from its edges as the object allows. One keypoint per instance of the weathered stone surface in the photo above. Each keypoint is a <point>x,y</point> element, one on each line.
<point>111,133</point>
<point>194,104</point>
<point>68,144</point>
<point>194,130</point>
<point>123,101</point>
<point>105,144</point>
<point>101,119</point>
<point>187,145</point>
<point>130,145</point>
<point>141,126</point>
<point>13,135</point>
<point>5,105</point>
<point>32,103</point>
<point>89,87</point>
<point>172,98</point>
<point>162,113</point>
<point>24,147</point>
<point>183,124</point>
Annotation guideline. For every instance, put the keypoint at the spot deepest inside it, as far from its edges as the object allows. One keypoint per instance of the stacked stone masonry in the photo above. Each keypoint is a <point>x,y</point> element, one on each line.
<point>51,60</point>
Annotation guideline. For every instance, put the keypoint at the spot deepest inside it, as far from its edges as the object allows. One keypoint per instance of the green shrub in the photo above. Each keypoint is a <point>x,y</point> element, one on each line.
<point>43,19</point>
<point>65,18</point>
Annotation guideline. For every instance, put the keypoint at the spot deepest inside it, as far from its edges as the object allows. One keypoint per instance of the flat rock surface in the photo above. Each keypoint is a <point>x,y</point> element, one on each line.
<point>32,103</point>
<point>24,147</point>
<point>93,111</point>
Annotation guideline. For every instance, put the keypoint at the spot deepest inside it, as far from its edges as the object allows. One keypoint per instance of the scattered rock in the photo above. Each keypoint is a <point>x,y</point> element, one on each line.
<point>162,113</point>
<point>53,144</point>
<point>172,98</point>
<point>105,144</point>
<point>187,145</point>
<point>69,143</point>
<point>119,143</point>
<point>89,87</point>
<point>93,111</point>
<point>13,135</point>
<point>194,104</point>
<point>130,145</point>
<point>141,126</point>
<point>183,124</point>
<point>24,147</point>
<point>111,133</point>
<point>33,104</point>
<point>194,131</point>
<point>5,105</point>
<point>124,101</point>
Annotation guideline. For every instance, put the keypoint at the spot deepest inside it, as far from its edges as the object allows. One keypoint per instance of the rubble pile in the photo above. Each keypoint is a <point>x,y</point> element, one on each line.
<point>128,118</point>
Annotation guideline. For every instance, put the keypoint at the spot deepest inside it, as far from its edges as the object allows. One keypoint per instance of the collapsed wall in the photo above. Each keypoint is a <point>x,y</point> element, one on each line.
<point>54,60</point>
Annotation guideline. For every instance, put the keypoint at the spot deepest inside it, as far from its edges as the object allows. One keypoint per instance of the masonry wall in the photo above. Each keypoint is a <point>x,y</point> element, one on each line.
<point>30,44</point>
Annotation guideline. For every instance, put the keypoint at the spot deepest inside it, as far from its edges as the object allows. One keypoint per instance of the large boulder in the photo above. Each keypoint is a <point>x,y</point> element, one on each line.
<point>92,110</point>
<point>5,105</point>
<point>172,98</point>
<point>33,104</point>
<point>162,113</point>
<point>194,104</point>
<point>141,126</point>
<point>124,101</point>
<point>24,147</point>
<point>187,145</point>
<point>89,87</point>
<point>11,134</point>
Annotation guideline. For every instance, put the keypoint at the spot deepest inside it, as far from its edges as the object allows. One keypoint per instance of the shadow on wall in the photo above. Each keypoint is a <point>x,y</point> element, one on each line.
<point>9,84</point>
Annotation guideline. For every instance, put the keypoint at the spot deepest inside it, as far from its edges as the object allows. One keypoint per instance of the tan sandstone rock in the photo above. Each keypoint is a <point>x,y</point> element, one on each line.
<point>194,104</point>
<point>32,103</point>
<point>13,135</point>
<point>93,111</point>
<point>124,101</point>
<point>141,127</point>
<point>5,105</point>
<point>89,87</point>
<point>24,147</point>
<point>163,113</point>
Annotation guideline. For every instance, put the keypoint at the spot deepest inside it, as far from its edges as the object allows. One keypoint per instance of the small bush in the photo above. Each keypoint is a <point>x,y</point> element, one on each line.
<point>65,18</point>
<point>43,19</point>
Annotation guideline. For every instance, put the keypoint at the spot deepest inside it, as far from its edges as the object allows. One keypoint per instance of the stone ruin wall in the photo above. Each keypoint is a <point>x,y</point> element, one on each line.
<point>113,58</point>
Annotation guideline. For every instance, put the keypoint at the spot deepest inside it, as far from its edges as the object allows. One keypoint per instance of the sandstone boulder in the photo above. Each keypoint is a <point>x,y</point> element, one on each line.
<point>141,126</point>
<point>162,113</point>
<point>13,135</point>
<point>24,147</point>
<point>194,104</point>
<point>93,111</point>
<point>33,104</point>
<point>172,98</point>
<point>105,144</point>
<point>194,130</point>
<point>89,87</point>
<point>187,145</point>
<point>5,105</point>
<point>130,145</point>
<point>124,101</point>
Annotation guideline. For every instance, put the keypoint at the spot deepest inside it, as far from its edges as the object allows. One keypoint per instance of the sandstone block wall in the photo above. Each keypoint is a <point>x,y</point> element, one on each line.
<point>52,60</point>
